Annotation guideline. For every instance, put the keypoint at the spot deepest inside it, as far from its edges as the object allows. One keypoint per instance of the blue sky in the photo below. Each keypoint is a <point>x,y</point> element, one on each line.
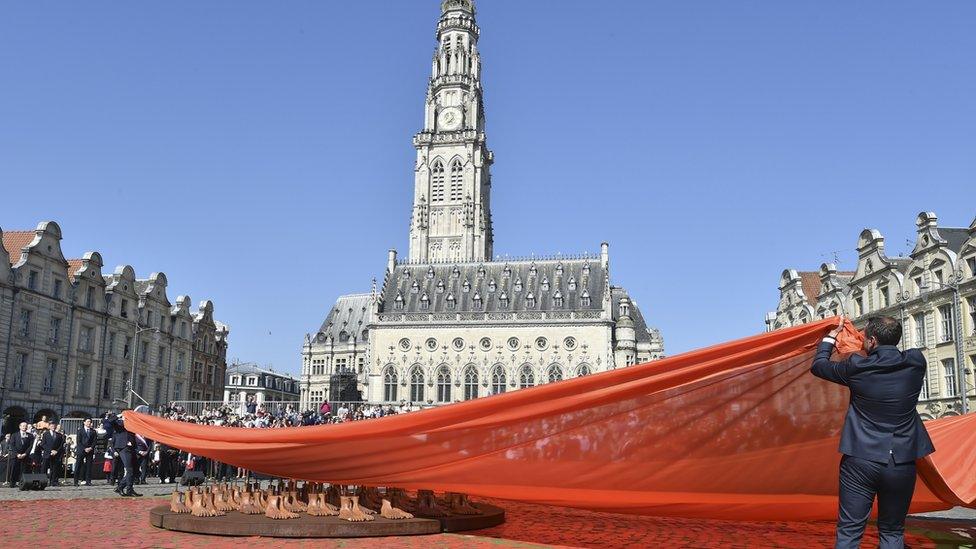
<point>259,153</point>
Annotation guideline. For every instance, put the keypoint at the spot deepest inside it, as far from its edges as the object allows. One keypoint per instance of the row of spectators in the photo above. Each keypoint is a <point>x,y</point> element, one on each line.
<point>259,417</point>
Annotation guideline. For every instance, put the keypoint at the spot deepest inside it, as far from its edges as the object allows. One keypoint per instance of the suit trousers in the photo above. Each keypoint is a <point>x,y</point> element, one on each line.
<point>861,481</point>
<point>83,466</point>
<point>127,458</point>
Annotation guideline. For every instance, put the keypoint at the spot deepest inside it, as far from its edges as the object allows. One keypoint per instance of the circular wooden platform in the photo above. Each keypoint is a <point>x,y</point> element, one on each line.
<point>306,526</point>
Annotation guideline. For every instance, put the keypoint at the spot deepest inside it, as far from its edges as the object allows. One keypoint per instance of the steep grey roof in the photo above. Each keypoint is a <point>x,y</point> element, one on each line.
<point>640,326</point>
<point>955,237</point>
<point>461,283</point>
<point>141,286</point>
<point>347,319</point>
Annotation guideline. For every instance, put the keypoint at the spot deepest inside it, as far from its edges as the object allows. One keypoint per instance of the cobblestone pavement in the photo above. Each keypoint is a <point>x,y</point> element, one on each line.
<point>82,522</point>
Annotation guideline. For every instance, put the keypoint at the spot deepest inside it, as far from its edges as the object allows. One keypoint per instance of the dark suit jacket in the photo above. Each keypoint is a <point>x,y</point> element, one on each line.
<point>21,445</point>
<point>881,419</point>
<point>83,441</point>
<point>122,439</point>
<point>51,441</point>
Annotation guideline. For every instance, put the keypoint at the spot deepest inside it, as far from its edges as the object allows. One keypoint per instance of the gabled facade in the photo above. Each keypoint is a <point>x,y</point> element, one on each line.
<point>932,292</point>
<point>68,332</point>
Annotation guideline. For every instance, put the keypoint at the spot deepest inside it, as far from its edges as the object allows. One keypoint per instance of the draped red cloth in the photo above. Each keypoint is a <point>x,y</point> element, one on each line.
<point>740,430</point>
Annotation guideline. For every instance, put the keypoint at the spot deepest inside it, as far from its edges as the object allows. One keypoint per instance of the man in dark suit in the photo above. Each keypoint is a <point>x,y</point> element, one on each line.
<point>123,447</point>
<point>84,452</point>
<point>21,444</point>
<point>883,434</point>
<point>52,442</point>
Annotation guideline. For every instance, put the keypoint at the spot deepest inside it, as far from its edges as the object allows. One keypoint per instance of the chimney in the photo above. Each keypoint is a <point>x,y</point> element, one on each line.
<point>391,261</point>
<point>605,254</point>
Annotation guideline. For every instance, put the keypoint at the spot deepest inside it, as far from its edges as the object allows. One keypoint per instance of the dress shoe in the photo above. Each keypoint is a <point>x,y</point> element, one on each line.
<point>132,494</point>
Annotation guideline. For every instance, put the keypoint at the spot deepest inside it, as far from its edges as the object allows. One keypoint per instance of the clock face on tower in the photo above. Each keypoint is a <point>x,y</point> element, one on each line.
<point>449,119</point>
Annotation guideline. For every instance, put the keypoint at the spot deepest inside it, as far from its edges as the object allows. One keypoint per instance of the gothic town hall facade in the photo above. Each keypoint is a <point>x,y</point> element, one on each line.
<point>450,323</point>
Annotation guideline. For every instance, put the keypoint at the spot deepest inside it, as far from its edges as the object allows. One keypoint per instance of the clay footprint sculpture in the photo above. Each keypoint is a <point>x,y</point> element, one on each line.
<point>387,510</point>
<point>209,503</point>
<point>427,505</point>
<point>398,498</point>
<point>459,503</point>
<point>176,503</point>
<point>275,509</point>
<point>201,506</point>
<point>318,507</point>
<point>248,505</point>
<point>350,510</point>
<point>363,501</point>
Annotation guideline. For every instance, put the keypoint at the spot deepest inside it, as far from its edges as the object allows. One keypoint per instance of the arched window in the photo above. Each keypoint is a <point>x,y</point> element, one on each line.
<point>456,177</point>
<point>554,374</point>
<point>443,384</point>
<point>390,382</point>
<point>583,370</point>
<point>526,377</point>
<point>437,181</point>
<point>470,383</point>
<point>498,380</point>
<point>417,385</point>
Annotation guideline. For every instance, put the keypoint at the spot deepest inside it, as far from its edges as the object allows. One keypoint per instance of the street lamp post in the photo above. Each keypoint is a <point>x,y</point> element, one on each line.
<point>132,371</point>
<point>953,285</point>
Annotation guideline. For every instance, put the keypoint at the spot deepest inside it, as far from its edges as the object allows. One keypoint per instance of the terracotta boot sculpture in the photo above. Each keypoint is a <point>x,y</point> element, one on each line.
<point>389,511</point>
<point>459,504</point>
<point>176,503</point>
<point>427,505</point>
<point>275,509</point>
<point>350,510</point>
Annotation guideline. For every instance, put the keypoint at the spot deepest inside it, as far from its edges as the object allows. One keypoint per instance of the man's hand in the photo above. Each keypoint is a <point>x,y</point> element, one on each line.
<point>88,449</point>
<point>54,452</point>
<point>21,456</point>
<point>840,328</point>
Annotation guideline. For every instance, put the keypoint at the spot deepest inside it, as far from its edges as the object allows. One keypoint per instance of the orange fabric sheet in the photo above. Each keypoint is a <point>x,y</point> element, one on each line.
<point>740,430</point>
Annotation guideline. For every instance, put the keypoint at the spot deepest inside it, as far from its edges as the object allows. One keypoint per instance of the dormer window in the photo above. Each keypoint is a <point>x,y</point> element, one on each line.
<point>507,272</point>
<point>557,299</point>
<point>451,304</point>
<point>491,285</point>
<point>477,301</point>
<point>481,271</point>
<point>456,273</point>
<point>532,270</point>
<point>440,286</point>
<point>585,298</point>
<point>530,300</point>
<point>406,274</point>
<point>424,302</point>
<point>430,272</point>
<point>545,284</point>
<point>869,266</point>
<point>415,287</point>
<point>559,269</point>
<point>586,269</point>
<point>572,283</point>
<point>624,308</point>
<point>503,299</point>
<point>518,284</point>
<point>466,287</point>
<point>398,302</point>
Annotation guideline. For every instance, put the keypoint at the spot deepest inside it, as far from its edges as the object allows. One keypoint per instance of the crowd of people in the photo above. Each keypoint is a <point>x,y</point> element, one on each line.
<point>129,459</point>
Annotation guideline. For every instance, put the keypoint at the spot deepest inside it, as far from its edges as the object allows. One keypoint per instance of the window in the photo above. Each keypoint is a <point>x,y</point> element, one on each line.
<point>252,381</point>
<point>451,304</point>
<point>584,370</point>
<point>25,322</point>
<point>178,390</point>
<point>526,377</point>
<point>210,375</point>
<point>557,299</point>
<point>124,309</point>
<point>417,385</point>
<point>972,315</point>
<point>127,348</point>
<point>179,362</point>
<point>81,380</point>
<point>949,370</point>
<point>554,374</point>
<point>86,338</point>
<point>924,394</point>
<point>919,285</point>
<point>107,384</point>
<point>20,372</point>
<point>443,384</point>
<point>883,296</point>
<point>919,321</point>
<point>498,380</point>
<point>142,384</point>
<point>340,363</point>
<point>198,373</point>
<point>456,179</point>
<point>858,306</point>
<point>55,332</point>
<point>111,344</point>
<point>424,302</point>
<point>360,363</point>
<point>143,351</point>
<point>125,383</point>
<point>90,297</point>
<point>390,382</point>
<point>49,374</point>
<point>470,383</point>
<point>183,329</point>
<point>32,280</point>
<point>158,392</point>
<point>585,298</point>
<point>57,289</point>
<point>235,380</point>
<point>398,302</point>
<point>437,181</point>
<point>945,312</point>
<point>530,300</point>
<point>159,357</point>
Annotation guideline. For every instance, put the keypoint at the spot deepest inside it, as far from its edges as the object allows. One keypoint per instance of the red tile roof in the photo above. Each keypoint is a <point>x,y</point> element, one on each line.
<point>13,241</point>
<point>73,266</point>
<point>810,283</point>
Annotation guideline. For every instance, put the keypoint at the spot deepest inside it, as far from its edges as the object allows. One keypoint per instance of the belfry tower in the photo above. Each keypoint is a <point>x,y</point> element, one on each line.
<point>451,219</point>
